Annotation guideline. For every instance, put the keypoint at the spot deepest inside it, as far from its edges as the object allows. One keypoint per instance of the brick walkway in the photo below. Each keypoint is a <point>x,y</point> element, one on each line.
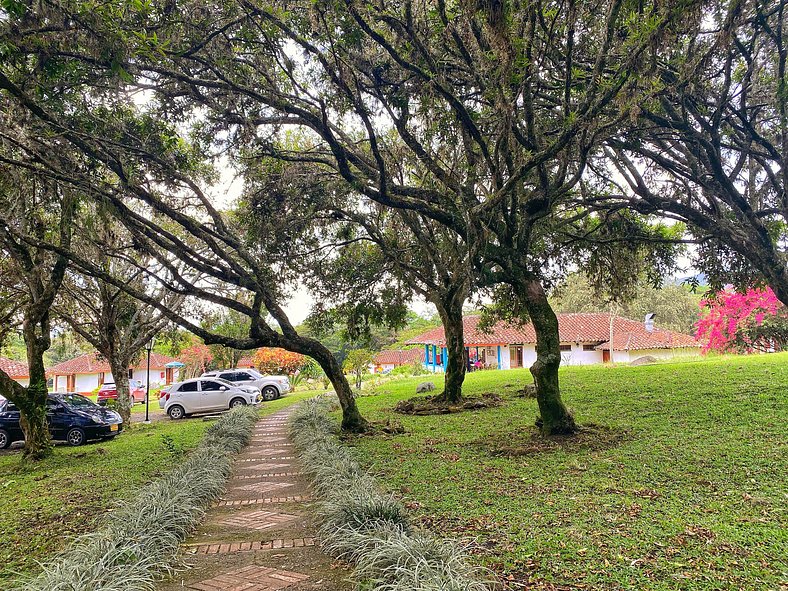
<point>259,536</point>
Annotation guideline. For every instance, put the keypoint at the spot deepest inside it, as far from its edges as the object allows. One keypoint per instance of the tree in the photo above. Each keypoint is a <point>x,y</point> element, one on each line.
<point>197,359</point>
<point>147,176</point>
<point>106,316</point>
<point>230,324</point>
<point>500,105</point>
<point>710,147</point>
<point>30,205</point>
<point>500,140</point>
<point>743,322</point>
<point>271,360</point>
<point>357,362</point>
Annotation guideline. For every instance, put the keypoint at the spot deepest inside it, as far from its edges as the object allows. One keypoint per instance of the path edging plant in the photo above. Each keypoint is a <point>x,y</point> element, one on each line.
<point>369,528</point>
<point>138,542</point>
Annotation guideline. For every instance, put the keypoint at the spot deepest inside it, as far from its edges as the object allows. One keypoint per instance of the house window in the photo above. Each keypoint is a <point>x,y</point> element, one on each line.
<point>131,373</point>
<point>566,347</point>
<point>588,347</point>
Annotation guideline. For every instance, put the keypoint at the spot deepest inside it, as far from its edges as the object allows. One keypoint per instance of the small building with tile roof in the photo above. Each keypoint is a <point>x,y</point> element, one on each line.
<point>385,361</point>
<point>87,372</point>
<point>16,370</point>
<point>585,339</point>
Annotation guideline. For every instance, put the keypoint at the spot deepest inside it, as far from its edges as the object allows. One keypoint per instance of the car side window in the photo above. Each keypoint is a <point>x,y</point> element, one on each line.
<point>10,407</point>
<point>229,376</point>
<point>52,405</point>
<point>242,375</point>
<point>188,387</point>
<point>210,386</point>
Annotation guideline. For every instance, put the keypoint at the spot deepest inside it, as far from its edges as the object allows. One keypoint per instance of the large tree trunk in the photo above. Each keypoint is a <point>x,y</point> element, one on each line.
<point>556,419</point>
<point>32,403</point>
<point>450,311</point>
<point>352,421</point>
<point>120,372</point>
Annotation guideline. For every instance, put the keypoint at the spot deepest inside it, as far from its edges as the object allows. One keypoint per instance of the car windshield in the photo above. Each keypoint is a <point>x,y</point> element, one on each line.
<point>223,381</point>
<point>78,401</point>
<point>254,373</point>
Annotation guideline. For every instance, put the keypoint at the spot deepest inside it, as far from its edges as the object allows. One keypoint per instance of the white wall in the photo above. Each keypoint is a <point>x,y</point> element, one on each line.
<point>22,381</point>
<point>384,367</point>
<point>157,376</point>
<point>505,357</point>
<point>577,356</point>
<point>529,355</point>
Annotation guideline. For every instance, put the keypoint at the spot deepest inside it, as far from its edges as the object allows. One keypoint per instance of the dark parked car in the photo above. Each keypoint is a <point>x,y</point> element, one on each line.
<point>72,418</point>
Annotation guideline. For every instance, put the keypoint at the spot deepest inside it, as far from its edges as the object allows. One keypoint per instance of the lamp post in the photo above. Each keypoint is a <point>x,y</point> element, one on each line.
<point>148,348</point>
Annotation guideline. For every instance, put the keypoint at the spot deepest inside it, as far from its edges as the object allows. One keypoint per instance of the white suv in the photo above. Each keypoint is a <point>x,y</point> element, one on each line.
<point>205,395</point>
<point>271,387</point>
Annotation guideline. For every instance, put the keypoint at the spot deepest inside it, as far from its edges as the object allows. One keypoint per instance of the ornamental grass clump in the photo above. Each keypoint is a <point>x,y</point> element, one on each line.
<point>369,528</point>
<point>137,544</point>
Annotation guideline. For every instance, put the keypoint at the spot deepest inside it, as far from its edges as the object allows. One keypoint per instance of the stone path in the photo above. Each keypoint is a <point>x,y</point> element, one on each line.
<point>259,536</point>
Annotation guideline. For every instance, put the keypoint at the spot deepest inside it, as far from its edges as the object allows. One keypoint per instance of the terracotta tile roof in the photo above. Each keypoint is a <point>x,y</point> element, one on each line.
<point>15,369</point>
<point>659,339</point>
<point>92,363</point>
<point>572,328</point>
<point>400,357</point>
<point>245,362</point>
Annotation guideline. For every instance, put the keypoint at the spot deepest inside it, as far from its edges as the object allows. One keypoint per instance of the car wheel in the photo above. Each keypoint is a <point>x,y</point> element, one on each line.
<point>75,437</point>
<point>270,393</point>
<point>176,412</point>
<point>237,402</point>
<point>5,439</point>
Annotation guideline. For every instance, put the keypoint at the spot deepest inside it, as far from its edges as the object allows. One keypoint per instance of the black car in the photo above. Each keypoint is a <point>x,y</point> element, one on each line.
<point>72,418</point>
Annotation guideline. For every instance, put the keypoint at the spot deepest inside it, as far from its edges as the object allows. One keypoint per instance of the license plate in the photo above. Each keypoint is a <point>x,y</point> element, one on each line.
<point>113,427</point>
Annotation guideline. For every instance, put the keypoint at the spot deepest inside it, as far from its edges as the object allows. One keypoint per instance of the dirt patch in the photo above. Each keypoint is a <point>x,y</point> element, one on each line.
<point>431,405</point>
<point>531,441</point>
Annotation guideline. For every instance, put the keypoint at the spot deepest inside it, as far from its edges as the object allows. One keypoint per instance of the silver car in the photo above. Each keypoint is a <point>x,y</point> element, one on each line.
<point>205,395</point>
<point>271,387</point>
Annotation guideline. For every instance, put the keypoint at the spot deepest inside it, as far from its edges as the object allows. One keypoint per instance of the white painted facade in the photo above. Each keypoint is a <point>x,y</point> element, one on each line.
<point>577,354</point>
<point>87,382</point>
<point>23,381</point>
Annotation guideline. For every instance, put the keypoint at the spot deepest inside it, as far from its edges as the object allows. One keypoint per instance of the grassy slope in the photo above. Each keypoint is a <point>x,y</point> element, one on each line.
<point>42,505</point>
<point>693,497</point>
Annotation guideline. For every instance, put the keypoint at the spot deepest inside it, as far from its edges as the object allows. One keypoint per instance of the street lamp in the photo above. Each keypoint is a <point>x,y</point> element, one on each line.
<point>148,348</point>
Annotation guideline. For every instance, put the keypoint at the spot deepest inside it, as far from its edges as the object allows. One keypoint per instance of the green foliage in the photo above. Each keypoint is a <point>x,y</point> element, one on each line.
<point>680,467</point>
<point>357,362</point>
<point>226,323</point>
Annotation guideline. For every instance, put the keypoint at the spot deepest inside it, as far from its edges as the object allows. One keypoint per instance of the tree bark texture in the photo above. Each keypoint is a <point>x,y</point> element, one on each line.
<point>120,373</point>
<point>32,403</point>
<point>352,421</point>
<point>556,418</point>
<point>450,312</point>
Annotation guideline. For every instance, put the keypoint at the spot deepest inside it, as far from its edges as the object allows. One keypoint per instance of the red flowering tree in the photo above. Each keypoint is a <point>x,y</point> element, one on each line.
<point>196,358</point>
<point>272,360</point>
<point>743,322</point>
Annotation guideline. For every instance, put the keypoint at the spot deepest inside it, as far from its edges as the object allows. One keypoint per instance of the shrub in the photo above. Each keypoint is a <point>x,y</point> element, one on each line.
<point>369,528</point>
<point>138,542</point>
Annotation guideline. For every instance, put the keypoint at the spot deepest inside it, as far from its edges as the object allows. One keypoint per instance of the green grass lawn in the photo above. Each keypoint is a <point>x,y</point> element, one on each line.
<point>682,484</point>
<point>43,505</point>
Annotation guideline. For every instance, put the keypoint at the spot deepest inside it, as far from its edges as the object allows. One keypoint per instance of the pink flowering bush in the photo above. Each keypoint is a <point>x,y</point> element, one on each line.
<point>743,322</point>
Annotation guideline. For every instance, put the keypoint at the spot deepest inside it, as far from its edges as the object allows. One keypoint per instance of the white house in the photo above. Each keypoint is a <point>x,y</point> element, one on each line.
<point>16,370</point>
<point>585,339</point>
<point>87,372</point>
